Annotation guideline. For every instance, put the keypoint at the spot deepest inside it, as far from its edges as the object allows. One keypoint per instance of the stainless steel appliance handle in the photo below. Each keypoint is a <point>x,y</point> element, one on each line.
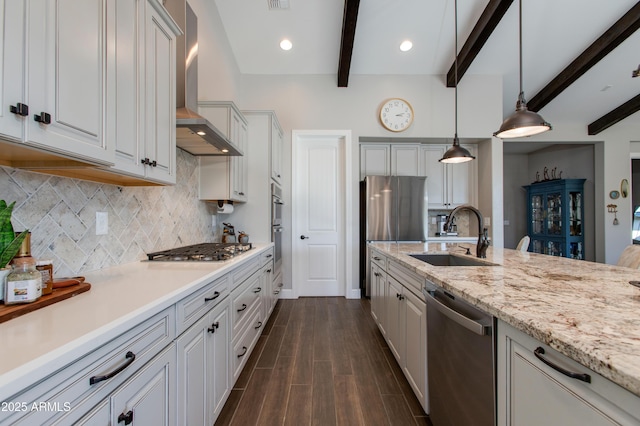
<point>457,317</point>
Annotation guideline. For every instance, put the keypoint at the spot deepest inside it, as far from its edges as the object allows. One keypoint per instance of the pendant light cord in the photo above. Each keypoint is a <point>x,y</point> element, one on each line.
<point>455,71</point>
<point>520,39</point>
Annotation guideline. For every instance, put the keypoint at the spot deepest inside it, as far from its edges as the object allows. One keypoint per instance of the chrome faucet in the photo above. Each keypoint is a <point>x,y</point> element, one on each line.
<point>483,239</point>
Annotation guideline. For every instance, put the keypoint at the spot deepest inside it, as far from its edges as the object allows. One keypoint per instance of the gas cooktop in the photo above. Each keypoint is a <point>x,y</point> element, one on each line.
<point>204,252</point>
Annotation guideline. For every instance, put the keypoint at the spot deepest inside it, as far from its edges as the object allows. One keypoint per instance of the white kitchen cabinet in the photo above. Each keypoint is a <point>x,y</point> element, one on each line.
<point>401,312</point>
<point>149,396</point>
<point>531,392</point>
<point>86,382</point>
<point>225,177</point>
<point>449,185</point>
<point>269,294</point>
<point>203,368</point>
<point>142,124</point>
<point>377,159</point>
<point>276,141</point>
<point>55,59</point>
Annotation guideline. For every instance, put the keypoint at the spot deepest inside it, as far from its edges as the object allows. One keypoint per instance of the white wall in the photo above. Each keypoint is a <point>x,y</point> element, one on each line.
<point>516,174</point>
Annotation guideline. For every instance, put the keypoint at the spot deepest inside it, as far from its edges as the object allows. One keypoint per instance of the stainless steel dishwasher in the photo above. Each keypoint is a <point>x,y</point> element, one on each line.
<point>460,361</point>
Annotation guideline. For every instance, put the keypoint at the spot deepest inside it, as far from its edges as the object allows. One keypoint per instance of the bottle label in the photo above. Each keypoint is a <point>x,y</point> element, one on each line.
<point>23,291</point>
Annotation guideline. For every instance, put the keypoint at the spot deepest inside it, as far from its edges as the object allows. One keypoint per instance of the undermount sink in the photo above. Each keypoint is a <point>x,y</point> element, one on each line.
<point>450,260</point>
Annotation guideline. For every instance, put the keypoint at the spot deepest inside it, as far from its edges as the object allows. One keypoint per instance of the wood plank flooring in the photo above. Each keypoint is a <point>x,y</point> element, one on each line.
<point>322,361</point>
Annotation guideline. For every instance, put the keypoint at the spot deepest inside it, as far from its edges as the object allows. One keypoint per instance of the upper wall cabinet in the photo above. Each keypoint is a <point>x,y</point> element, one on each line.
<point>225,177</point>
<point>378,159</point>
<point>449,185</point>
<point>142,124</point>
<point>54,82</point>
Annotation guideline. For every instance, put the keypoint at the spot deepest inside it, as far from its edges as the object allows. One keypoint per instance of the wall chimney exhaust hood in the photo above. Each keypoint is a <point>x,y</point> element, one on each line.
<point>194,133</point>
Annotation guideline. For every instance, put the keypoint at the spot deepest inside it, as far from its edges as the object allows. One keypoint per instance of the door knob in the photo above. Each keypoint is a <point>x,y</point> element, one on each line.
<point>302,237</point>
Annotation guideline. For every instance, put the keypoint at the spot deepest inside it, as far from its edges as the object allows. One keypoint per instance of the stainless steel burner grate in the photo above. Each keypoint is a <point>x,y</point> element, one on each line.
<point>204,252</point>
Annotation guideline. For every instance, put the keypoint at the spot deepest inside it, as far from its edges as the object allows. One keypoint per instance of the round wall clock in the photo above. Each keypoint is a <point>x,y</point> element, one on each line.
<point>396,114</point>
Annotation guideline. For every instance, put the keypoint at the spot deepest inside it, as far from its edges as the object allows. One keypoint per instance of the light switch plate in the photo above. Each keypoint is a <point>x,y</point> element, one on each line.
<point>487,221</point>
<point>102,223</point>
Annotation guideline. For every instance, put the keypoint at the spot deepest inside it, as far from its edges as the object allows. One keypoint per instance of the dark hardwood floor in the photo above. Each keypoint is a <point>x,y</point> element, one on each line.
<point>322,361</point>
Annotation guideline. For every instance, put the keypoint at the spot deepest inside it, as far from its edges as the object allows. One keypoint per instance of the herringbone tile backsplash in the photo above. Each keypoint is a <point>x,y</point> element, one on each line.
<point>61,215</point>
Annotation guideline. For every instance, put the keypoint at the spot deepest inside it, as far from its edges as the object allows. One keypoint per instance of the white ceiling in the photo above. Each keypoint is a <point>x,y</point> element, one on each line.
<point>554,33</point>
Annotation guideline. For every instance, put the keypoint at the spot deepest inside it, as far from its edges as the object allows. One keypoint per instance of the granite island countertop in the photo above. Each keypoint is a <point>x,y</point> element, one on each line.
<point>587,311</point>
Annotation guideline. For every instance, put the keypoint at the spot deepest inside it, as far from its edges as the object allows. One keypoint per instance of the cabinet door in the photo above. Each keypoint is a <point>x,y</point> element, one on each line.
<point>67,57</point>
<point>415,365</point>
<point>277,139</point>
<point>405,160</point>
<point>436,175</point>
<point>378,278</point>
<point>12,22</point>
<point>98,416</point>
<point>394,316</point>
<point>238,163</point>
<point>124,120</point>
<point>160,108</point>
<point>219,365</point>
<point>148,396</point>
<point>192,371</point>
<point>375,160</point>
<point>461,182</point>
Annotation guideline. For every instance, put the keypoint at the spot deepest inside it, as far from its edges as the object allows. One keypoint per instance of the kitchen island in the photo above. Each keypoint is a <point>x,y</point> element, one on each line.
<point>586,311</point>
<point>145,305</point>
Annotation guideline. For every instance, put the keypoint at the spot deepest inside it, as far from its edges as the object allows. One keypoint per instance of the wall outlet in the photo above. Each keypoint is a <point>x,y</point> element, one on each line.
<point>102,223</point>
<point>506,222</point>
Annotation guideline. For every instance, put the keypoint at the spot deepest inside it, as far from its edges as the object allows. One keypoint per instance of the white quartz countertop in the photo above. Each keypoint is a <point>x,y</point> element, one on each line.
<point>587,311</point>
<point>36,344</point>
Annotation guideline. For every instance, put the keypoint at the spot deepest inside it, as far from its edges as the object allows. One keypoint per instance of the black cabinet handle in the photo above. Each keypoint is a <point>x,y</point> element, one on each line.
<point>19,109</point>
<point>127,417</point>
<point>216,294</point>
<point>244,352</point>
<point>44,118</point>
<point>259,325</point>
<point>376,258</point>
<point>269,271</point>
<point>213,327</point>
<point>130,356</point>
<point>244,306</point>
<point>257,290</point>
<point>144,160</point>
<point>269,255</point>
<point>539,352</point>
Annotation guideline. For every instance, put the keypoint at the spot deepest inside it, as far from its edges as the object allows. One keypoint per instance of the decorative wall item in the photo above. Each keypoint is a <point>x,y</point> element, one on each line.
<point>624,188</point>
<point>613,208</point>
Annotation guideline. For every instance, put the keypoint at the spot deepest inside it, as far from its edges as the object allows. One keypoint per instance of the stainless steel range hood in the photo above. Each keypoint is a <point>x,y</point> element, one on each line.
<point>194,133</point>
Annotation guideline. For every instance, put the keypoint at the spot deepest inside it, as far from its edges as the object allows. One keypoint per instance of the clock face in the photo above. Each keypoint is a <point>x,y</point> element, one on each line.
<point>396,115</point>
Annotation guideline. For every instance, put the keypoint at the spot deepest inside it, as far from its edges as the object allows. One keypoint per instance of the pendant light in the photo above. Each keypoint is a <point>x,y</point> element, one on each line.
<point>522,122</point>
<point>456,154</point>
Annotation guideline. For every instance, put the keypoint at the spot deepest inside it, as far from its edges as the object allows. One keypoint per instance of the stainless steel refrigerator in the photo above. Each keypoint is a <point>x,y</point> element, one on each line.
<point>392,208</point>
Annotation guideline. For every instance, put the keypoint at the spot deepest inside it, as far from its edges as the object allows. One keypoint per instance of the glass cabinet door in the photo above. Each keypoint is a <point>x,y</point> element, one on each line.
<point>537,215</point>
<point>575,213</point>
<point>554,213</point>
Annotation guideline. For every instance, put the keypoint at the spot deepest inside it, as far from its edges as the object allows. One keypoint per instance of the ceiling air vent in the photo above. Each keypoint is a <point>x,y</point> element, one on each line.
<point>278,4</point>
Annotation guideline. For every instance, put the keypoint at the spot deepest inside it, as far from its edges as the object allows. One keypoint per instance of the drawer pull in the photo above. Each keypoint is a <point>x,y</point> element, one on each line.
<point>269,255</point>
<point>127,417</point>
<point>257,290</point>
<point>244,352</point>
<point>213,327</point>
<point>259,325</point>
<point>269,271</point>
<point>130,356</point>
<point>244,306</point>
<point>19,109</point>
<point>215,296</point>
<point>376,258</point>
<point>539,352</point>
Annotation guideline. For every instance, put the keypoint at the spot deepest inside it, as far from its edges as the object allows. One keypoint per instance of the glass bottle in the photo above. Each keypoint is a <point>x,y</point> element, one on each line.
<point>24,282</point>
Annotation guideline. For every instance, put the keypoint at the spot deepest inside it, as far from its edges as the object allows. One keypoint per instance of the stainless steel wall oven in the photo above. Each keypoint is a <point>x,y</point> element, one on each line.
<point>276,224</point>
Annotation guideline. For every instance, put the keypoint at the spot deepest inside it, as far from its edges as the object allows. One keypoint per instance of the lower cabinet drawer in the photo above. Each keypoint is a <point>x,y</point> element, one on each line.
<point>192,307</point>
<point>76,389</point>
<point>243,300</point>
<point>245,343</point>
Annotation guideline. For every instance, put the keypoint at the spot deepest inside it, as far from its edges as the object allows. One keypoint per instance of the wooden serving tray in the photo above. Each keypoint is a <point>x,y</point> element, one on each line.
<point>8,312</point>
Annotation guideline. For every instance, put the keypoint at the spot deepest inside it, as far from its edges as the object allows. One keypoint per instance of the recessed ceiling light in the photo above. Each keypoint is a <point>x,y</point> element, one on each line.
<point>406,45</point>
<point>285,44</point>
<point>201,133</point>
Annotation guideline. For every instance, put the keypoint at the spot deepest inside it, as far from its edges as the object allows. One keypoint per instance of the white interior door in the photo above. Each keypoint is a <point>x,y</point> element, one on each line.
<point>320,197</point>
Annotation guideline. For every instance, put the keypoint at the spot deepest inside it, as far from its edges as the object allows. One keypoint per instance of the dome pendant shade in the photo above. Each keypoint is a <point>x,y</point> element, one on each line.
<point>456,154</point>
<point>522,122</point>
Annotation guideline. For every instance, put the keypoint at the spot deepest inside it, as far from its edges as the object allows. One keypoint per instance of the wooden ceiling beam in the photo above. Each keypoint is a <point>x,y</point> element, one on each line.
<point>623,111</point>
<point>486,24</point>
<point>600,48</point>
<point>346,44</point>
